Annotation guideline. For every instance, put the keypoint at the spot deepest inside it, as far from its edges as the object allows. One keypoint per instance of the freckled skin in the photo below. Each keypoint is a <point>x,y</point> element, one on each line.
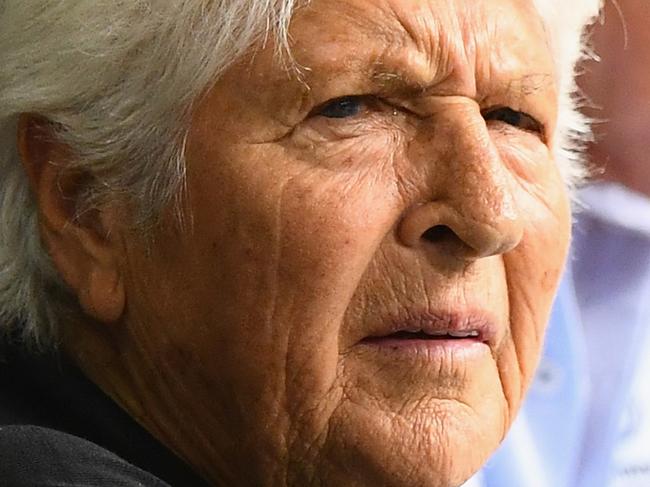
<point>240,341</point>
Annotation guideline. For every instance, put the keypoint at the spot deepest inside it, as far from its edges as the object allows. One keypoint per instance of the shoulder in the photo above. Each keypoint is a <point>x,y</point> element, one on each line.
<point>36,456</point>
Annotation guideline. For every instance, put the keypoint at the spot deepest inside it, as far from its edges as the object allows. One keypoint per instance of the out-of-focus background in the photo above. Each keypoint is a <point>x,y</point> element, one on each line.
<point>618,87</point>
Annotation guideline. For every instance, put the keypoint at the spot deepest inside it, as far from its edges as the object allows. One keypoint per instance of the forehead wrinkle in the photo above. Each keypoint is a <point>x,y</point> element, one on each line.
<point>445,46</point>
<point>415,51</point>
<point>441,51</point>
<point>412,72</point>
<point>433,50</point>
<point>509,71</point>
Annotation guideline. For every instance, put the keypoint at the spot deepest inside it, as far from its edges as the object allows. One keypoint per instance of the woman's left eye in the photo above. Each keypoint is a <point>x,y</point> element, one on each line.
<point>516,119</point>
<point>345,107</point>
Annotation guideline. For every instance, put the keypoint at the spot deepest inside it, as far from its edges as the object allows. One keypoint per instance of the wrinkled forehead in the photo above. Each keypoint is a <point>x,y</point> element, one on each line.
<point>455,45</point>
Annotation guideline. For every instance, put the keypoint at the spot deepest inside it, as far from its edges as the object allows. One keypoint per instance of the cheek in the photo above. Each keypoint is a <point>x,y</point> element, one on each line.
<point>533,272</point>
<point>274,257</point>
<point>527,157</point>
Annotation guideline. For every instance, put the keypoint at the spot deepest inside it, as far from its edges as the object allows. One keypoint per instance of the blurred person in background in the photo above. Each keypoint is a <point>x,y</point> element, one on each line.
<point>586,422</point>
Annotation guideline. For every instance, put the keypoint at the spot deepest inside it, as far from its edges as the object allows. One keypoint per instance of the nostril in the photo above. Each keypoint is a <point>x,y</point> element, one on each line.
<point>439,234</point>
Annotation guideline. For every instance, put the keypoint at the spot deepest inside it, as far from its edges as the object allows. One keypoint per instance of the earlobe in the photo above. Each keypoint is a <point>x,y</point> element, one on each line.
<point>102,297</point>
<point>86,250</point>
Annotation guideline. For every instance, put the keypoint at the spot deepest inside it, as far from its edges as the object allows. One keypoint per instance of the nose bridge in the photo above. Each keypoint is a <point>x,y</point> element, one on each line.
<point>478,184</point>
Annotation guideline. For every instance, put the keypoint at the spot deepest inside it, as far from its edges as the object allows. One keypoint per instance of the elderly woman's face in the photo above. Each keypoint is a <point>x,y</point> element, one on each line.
<point>373,252</point>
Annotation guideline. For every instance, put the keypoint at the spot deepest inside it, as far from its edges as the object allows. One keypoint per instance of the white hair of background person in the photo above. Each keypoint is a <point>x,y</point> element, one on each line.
<point>118,79</point>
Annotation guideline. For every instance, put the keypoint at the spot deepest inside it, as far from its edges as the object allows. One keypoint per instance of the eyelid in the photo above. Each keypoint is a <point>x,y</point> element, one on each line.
<point>318,109</point>
<point>372,102</point>
<point>537,126</point>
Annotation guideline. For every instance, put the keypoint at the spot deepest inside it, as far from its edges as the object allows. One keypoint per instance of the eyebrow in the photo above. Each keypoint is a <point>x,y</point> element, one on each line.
<point>394,82</point>
<point>399,82</point>
<point>531,84</point>
<point>402,81</point>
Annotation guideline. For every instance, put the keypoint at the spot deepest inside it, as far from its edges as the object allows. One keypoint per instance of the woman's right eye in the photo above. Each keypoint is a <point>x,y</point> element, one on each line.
<point>345,107</point>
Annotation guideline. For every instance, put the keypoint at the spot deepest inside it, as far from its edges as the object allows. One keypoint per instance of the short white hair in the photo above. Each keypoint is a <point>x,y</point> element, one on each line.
<point>118,79</point>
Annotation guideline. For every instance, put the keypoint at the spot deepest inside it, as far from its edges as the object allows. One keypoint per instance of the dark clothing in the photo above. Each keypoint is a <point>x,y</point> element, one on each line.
<point>58,429</point>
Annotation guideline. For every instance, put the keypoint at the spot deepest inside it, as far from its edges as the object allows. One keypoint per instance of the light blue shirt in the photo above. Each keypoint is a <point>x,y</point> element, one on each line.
<point>586,419</point>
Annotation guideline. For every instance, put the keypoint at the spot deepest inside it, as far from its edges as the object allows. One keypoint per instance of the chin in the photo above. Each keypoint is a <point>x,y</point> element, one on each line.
<point>437,443</point>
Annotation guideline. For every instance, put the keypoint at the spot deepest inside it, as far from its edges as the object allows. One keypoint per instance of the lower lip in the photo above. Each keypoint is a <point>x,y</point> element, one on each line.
<point>426,346</point>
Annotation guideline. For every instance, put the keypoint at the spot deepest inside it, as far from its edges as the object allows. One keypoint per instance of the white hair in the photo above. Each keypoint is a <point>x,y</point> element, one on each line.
<point>566,24</point>
<point>117,80</point>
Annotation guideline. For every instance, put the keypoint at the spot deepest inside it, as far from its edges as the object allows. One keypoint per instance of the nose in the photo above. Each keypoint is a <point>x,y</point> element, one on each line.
<point>470,209</point>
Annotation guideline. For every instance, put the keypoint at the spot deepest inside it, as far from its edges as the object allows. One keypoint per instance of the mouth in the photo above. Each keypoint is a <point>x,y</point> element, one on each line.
<point>421,335</point>
<point>437,329</point>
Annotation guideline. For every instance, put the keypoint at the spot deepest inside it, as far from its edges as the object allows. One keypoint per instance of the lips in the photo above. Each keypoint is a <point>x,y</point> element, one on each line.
<point>441,327</point>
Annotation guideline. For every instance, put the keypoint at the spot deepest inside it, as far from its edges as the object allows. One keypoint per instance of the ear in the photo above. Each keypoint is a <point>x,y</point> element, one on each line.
<point>84,250</point>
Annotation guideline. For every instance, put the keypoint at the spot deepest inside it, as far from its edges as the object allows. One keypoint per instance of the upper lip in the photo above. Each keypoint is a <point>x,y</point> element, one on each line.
<point>479,325</point>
